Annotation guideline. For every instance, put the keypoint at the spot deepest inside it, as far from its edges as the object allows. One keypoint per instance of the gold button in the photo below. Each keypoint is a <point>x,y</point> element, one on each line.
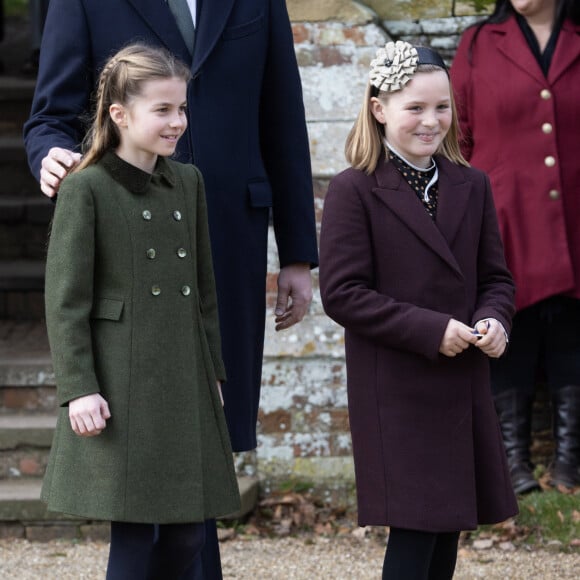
<point>545,94</point>
<point>547,128</point>
<point>151,253</point>
<point>155,290</point>
<point>146,215</point>
<point>550,161</point>
<point>181,252</point>
<point>554,194</point>
<point>177,215</point>
<point>186,290</point>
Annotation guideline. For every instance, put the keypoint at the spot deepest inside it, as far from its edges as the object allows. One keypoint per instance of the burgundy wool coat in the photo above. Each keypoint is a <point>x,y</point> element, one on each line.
<point>427,447</point>
<point>522,129</point>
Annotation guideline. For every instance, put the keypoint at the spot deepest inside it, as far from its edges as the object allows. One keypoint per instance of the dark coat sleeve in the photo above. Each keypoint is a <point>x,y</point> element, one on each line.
<point>69,291</point>
<point>284,145</point>
<point>495,287</point>
<point>64,84</point>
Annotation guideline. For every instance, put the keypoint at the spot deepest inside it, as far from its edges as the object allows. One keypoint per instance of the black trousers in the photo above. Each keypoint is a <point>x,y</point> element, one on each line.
<point>545,338</point>
<point>153,552</point>
<point>415,555</point>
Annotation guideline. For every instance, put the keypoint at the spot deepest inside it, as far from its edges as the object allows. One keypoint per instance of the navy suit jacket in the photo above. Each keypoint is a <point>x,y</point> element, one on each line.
<point>247,134</point>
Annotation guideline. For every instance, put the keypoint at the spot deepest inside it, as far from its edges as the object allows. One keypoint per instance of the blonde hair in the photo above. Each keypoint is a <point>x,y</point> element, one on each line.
<point>364,144</point>
<point>121,80</point>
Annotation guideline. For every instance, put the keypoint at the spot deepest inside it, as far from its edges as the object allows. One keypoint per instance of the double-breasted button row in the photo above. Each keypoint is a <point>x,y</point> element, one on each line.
<point>148,216</point>
<point>185,290</point>
<point>180,252</point>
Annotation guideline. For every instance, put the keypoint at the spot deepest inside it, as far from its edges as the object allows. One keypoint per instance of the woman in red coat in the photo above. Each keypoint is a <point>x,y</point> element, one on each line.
<point>517,83</point>
<point>412,266</point>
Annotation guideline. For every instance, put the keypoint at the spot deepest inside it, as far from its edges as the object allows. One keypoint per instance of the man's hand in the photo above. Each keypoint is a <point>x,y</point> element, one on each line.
<point>88,415</point>
<point>294,295</point>
<point>457,338</point>
<point>55,167</point>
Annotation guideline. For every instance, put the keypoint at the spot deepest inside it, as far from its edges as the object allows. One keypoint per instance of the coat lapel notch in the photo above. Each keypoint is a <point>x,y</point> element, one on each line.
<point>213,16</point>
<point>453,202</point>
<point>157,15</point>
<point>398,196</point>
<point>512,44</point>
<point>567,51</point>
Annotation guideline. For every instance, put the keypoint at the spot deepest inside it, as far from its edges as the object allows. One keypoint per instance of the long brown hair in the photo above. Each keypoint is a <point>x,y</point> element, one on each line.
<point>364,144</point>
<point>120,81</point>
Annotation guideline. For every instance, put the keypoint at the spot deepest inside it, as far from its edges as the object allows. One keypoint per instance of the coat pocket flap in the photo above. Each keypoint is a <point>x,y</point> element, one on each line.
<point>107,308</point>
<point>260,194</point>
<point>245,29</point>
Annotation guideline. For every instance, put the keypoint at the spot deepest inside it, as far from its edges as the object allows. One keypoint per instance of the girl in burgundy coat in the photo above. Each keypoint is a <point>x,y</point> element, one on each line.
<point>516,77</point>
<point>412,266</point>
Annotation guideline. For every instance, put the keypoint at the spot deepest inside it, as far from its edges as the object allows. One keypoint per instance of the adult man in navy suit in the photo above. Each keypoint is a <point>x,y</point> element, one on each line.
<point>246,133</point>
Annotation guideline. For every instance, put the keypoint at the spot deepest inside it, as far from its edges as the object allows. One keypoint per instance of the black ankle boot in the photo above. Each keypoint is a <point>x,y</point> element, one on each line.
<point>566,413</point>
<point>514,411</point>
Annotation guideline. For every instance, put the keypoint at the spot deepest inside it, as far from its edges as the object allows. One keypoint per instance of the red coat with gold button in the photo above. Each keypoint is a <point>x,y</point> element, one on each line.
<point>523,129</point>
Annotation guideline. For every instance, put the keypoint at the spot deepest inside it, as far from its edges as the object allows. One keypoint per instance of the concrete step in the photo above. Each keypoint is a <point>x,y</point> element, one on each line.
<point>22,275</point>
<point>33,209</point>
<point>26,375</point>
<point>23,515</point>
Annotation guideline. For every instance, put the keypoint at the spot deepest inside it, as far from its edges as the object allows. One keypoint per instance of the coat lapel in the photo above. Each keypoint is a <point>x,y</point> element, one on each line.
<point>213,16</point>
<point>398,196</point>
<point>512,44</point>
<point>158,16</point>
<point>567,51</point>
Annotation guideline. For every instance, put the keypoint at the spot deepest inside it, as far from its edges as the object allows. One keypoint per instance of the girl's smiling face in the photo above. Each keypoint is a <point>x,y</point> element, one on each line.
<point>417,118</point>
<point>151,123</point>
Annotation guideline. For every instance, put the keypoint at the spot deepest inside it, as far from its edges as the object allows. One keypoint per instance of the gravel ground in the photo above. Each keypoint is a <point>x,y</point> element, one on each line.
<point>304,558</point>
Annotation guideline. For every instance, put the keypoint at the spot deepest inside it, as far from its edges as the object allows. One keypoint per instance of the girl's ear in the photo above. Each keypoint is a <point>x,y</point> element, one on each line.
<point>377,109</point>
<point>118,115</point>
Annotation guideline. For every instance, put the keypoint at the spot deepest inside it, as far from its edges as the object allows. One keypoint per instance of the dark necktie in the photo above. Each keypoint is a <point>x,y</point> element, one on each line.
<point>184,21</point>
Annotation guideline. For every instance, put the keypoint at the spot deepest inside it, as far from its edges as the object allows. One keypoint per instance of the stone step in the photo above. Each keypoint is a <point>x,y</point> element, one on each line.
<point>22,275</point>
<point>15,100</point>
<point>33,209</point>
<point>23,515</point>
<point>26,375</point>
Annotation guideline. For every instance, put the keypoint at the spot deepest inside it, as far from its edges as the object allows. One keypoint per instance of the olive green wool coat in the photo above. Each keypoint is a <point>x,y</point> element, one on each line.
<point>131,312</point>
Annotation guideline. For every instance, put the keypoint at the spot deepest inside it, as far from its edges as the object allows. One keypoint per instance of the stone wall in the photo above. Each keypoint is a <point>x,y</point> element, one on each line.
<point>303,421</point>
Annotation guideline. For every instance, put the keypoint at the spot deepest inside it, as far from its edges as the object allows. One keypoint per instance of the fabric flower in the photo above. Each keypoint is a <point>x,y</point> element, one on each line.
<point>393,66</point>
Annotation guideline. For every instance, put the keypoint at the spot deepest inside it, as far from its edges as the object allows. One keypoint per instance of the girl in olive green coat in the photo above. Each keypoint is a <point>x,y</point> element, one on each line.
<point>132,320</point>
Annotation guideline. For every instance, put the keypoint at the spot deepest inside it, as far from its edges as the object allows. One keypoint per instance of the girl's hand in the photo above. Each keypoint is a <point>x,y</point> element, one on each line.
<point>494,340</point>
<point>219,386</point>
<point>88,415</point>
<point>457,338</point>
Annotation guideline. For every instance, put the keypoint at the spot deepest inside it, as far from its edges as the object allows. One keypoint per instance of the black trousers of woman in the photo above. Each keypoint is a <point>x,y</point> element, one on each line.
<point>414,555</point>
<point>153,552</point>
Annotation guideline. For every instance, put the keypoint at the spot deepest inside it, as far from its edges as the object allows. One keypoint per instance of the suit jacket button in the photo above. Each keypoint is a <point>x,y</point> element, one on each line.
<point>151,253</point>
<point>547,128</point>
<point>550,161</point>
<point>181,252</point>
<point>177,215</point>
<point>146,215</point>
<point>155,290</point>
<point>545,94</point>
<point>186,290</point>
<point>554,194</point>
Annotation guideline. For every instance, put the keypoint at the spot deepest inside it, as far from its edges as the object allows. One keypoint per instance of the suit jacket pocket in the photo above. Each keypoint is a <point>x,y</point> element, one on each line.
<point>107,309</point>
<point>260,194</point>
<point>241,30</point>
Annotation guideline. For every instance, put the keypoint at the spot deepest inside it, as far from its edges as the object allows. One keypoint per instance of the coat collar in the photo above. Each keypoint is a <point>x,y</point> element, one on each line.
<point>134,179</point>
<point>454,192</point>
<point>511,42</point>
<point>212,18</point>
